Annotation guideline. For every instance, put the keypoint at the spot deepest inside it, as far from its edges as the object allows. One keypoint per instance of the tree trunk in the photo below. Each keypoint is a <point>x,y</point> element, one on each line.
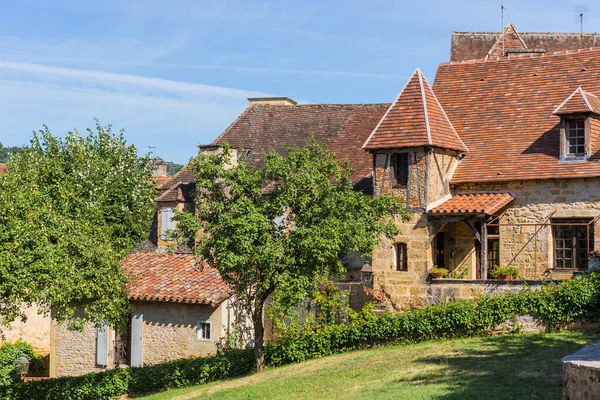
<point>259,336</point>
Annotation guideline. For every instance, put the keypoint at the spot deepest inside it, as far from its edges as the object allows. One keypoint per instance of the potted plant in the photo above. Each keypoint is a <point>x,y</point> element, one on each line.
<point>504,272</point>
<point>438,272</point>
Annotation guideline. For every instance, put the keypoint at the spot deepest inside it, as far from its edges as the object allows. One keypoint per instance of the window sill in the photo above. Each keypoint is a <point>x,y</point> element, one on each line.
<point>574,158</point>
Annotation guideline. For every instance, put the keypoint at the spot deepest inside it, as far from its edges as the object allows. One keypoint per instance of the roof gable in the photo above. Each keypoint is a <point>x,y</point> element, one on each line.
<point>579,102</point>
<point>415,118</point>
<point>509,39</point>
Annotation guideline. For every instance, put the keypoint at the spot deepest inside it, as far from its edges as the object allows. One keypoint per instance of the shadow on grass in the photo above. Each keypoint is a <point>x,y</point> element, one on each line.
<point>504,367</point>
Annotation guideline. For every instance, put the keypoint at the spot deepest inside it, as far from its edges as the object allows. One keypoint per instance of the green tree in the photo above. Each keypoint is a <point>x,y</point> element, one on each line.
<point>6,152</point>
<point>173,168</point>
<point>70,210</point>
<point>280,229</point>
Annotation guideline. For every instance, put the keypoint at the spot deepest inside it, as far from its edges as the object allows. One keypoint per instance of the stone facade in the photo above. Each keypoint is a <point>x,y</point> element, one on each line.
<point>528,247</point>
<point>524,230</point>
<point>169,332</point>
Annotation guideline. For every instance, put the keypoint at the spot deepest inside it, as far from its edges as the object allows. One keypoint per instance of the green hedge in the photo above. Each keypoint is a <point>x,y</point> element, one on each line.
<point>554,304</point>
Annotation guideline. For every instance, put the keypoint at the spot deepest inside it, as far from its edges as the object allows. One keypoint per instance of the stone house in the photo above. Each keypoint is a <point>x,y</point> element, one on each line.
<point>498,163</point>
<point>179,310</point>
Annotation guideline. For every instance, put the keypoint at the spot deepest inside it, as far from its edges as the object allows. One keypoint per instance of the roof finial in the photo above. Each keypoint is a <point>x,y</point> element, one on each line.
<point>502,12</point>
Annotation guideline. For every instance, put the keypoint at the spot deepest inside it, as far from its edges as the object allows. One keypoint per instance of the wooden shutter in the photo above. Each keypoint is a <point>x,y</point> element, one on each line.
<point>137,324</point>
<point>166,221</point>
<point>102,345</point>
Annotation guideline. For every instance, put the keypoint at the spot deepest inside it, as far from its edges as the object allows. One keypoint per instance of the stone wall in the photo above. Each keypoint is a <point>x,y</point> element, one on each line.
<point>169,332</point>
<point>74,352</point>
<point>530,248</point>
<point>35,331</point>
<point>581,374</point>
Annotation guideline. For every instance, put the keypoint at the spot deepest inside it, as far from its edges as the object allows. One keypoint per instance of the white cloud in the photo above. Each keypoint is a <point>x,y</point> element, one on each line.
<point>126,79</point>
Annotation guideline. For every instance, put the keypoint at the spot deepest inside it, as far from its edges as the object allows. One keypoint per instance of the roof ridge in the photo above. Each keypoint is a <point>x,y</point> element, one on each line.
<point>587,103</point>
<point>520,56</point>
<point>425,113</point>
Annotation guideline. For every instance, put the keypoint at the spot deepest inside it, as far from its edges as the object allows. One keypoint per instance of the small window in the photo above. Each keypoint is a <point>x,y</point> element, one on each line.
<point>166,221</point>
<point>400,167</point>
<point>575,131</point>
<point>401,257</point>
<point>204,331</point>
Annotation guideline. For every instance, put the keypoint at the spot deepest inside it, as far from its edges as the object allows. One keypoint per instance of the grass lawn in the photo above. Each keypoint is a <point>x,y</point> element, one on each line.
<point>501,367</point>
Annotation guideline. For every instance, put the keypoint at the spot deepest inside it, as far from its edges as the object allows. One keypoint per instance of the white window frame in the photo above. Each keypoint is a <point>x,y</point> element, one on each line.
<point>170,225</point>
<point>199,331</point>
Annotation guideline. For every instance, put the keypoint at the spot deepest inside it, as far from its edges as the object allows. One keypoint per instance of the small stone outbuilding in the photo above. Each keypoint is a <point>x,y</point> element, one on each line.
<point>179,310</point>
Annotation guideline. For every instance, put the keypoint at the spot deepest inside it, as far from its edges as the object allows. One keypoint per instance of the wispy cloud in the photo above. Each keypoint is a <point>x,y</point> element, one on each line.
<point>127,79</point>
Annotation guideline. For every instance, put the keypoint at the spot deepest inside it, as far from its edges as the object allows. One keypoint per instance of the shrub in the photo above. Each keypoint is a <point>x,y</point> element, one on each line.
<point>502,272</point>
<point>9,352</point>
<point>555,304</point>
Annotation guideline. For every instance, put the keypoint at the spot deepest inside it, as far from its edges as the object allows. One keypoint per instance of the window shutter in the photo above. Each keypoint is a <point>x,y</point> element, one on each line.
<point>137,323</point>
<point>166,221</point>
<point>102,345</point>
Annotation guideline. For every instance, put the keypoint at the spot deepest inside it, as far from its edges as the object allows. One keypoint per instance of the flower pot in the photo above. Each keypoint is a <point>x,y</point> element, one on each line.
<point>505,277</point>
<point>437,275</point>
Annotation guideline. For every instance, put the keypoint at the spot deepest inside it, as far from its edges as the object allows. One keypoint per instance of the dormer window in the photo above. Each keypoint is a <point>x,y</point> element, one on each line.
<point>575,115</point>
<point>575,137</point>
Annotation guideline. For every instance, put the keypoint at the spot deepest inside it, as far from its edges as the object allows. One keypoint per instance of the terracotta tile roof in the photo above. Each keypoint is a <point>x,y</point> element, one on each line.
<point>2,169</point>
<point>477,45</point>
<point>503,111</point>
<point>181,192</point>
<point>579,102</point>
<point>343,128</point>
<point>476,203</point>
<point>415,118</point>
<point>173,278</point>
<point>178,187</point>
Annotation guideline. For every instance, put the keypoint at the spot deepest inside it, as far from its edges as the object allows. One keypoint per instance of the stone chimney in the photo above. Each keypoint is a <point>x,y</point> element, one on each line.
<point>160,168</point>
<point>271,101</point>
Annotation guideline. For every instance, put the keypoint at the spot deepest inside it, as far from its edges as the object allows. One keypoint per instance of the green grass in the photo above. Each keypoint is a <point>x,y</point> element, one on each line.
<point>501,367</point>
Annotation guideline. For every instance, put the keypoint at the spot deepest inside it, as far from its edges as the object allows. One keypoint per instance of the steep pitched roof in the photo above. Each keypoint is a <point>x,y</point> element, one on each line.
<point>503,111</point>
<point>341,127</point>
<point>473,203</point>
<point>414,119</point>
<point>477,45</point>
<point>173,278</point>
<point>579,101</point>
<point>512,40</point>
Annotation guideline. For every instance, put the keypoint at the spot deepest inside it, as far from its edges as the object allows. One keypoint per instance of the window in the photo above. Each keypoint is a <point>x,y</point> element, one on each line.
<point>166,220</point>
<point>575,131</point>
<point>204,331</point>
<point>493,253</point>
<point>572,243</point>
<point>493,247</point>
<point>400,167</point>
<point>401,258</point>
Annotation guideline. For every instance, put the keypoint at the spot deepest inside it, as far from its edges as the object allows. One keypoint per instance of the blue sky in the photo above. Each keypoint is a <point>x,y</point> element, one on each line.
<point>174,74</point>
